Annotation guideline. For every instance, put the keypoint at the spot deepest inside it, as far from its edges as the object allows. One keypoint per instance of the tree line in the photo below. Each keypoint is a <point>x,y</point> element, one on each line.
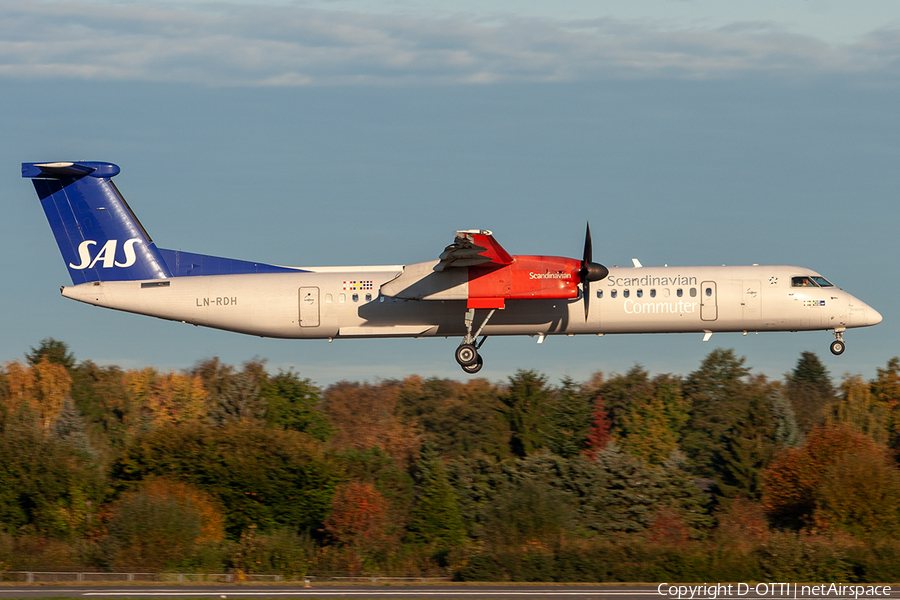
<point>721,474</point>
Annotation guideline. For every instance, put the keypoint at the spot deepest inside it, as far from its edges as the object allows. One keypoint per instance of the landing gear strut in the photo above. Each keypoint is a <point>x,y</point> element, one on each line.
<point>467,353</point>
<point>838,346</point>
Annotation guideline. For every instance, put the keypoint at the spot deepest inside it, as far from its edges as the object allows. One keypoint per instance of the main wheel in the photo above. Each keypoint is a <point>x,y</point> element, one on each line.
<point>472,369</point>
<point>466,355</point>
<point>837,347</point>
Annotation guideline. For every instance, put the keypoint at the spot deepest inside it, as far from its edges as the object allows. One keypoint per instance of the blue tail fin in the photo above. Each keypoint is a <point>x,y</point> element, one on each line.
<point>98,235</point>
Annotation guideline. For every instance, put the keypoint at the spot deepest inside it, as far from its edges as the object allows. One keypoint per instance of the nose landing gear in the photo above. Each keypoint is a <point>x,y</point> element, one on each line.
<point>467,353</point>
<point>838,345</point>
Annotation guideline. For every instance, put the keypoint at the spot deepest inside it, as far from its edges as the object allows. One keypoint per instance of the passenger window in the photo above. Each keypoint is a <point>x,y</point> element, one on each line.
<point>679,292</point>
<point>653,293</point>
<point>708,292</point>
<point>693,292</point>
<point>368,297</point>
<point>355,297</point>
<point>612,294</point>
<point>342,298</point>
<point>666,292</point>
<point>640,293</point>
<point>599,293</point>
<point>328,299</point>
<point>626,293</point>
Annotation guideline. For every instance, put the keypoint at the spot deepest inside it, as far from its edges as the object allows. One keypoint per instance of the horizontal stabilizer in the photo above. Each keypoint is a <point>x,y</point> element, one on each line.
<point>65,170</point>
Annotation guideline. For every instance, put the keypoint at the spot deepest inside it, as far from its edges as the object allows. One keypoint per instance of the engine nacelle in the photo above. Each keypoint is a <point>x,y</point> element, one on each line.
<point>527,277</point>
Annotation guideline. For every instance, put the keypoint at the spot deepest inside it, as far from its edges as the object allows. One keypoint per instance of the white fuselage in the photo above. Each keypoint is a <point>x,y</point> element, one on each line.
<point>347,302</point>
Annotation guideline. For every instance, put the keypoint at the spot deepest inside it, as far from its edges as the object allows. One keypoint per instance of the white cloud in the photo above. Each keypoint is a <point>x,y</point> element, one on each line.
<point>220,44</point>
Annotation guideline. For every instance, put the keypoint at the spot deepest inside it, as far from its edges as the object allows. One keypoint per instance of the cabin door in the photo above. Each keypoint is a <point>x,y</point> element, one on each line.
<point>750,300</point>
<point>309,307</point>
<point>708,309</point>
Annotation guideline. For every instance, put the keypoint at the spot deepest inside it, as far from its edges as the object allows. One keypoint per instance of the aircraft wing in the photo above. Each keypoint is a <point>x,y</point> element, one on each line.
<point>475,247</point>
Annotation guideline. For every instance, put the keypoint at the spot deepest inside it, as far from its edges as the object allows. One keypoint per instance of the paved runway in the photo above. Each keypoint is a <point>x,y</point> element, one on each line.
<point>444,592</point>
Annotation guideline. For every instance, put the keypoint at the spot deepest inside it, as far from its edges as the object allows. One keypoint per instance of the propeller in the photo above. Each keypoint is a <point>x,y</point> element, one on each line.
<point>590,271</point>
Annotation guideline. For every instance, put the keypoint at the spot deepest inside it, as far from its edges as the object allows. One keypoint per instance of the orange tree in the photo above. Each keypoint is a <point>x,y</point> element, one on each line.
<point>791,482</point>
<point>358,522</point>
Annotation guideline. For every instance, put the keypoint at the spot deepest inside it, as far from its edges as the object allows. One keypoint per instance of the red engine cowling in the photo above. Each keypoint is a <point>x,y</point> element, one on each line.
<point>527,277</point>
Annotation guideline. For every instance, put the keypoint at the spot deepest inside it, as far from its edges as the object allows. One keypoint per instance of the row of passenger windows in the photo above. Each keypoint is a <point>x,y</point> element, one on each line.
<point>342,298</point>
<point>665,292</point>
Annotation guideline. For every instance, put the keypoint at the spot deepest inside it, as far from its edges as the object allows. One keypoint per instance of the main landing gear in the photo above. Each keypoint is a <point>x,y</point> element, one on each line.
<point>838,346</point>
<point>467,353</point>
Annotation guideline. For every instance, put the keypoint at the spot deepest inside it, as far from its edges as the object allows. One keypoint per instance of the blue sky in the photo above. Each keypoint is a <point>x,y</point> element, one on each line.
<point>361,132</point>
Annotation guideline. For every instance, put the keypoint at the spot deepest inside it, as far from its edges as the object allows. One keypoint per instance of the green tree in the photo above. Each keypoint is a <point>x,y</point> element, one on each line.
<point>160,525</point>
<point>615,496</point>
<point>265,477</point>
<point>70,429</point>
<point>435,520</point>
<point>636,494</point>
<point>860,410</point>
<point>218,378</point>
<point>718,393</point>
<point>240,401</point>
<point>294,403</point>
<point>525,406</point>
<point>647,415</point>
<point>810,391</point>
<point>460,418</point>
<point>55,351</point>
<point>47,484</point>
<point>101,396</point>
<point>787,431</point>
<point>375,466</point>
<point>750,446</point>
<point>569,419</point>
<point>886,390</point>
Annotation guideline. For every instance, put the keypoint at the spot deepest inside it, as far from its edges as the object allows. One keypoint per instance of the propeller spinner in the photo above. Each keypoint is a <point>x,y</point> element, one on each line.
<point>590,271</point>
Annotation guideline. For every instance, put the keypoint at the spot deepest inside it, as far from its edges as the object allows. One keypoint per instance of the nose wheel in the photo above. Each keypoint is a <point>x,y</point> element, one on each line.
<point>838,346</point>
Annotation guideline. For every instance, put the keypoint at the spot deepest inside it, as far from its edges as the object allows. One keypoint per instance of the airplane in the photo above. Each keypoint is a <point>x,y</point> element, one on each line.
<point>114,263</point>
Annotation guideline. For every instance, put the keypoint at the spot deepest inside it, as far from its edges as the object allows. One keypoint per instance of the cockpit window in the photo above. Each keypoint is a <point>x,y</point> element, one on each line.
<point>804,281</point>
<point>810,281</point>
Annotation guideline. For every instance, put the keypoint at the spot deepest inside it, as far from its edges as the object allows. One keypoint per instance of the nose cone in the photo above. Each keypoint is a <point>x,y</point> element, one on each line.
<point>873,317</point>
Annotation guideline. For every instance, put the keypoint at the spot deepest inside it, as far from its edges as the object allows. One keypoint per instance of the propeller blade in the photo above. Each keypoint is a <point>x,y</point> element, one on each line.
<point>586,290</point>
<point>586,260</point>
<point>588,247</point>
<point>590,271</point>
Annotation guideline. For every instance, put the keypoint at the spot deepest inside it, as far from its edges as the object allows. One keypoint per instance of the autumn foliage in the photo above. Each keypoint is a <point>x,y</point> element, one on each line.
<point>358,521</point>
<point>366,417</point>
<point>40,388</point>
<point>721,474</point>
<point>599,436</point>
<point>792,482</point>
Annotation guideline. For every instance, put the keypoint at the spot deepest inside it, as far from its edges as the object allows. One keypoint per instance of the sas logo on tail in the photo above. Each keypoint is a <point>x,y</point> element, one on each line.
<point>107,255</point>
